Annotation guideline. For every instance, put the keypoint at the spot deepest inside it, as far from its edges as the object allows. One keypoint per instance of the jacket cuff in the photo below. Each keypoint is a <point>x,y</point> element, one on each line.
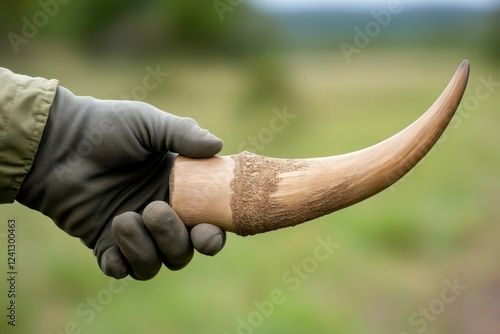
<point>24,108</point>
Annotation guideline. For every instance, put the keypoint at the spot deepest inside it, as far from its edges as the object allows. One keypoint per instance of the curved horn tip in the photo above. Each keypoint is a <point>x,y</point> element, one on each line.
<point>465,63</point>
<point>464,67</point>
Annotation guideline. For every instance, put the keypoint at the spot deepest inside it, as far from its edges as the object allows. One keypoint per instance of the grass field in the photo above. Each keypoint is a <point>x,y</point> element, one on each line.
<point>396,252</point>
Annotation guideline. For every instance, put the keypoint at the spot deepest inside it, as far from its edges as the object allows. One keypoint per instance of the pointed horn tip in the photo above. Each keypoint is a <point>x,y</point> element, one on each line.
<point>465,64</point>
<point>464,69</point>
<point>459,81</point>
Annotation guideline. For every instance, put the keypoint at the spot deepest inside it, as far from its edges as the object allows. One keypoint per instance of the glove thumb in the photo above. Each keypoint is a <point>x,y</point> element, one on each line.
<point>160,131</point>
<point>187,138</point>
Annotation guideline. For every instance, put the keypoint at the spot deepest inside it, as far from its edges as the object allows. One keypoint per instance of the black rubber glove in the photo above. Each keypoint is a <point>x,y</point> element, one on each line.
<point>99,165</point>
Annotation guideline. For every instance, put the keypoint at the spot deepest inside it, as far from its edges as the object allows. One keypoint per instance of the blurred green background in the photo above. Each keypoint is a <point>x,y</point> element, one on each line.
<point>231,64</point>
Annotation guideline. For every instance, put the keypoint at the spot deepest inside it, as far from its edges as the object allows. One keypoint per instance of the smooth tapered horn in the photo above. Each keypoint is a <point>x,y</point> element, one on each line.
<point>249,194</point>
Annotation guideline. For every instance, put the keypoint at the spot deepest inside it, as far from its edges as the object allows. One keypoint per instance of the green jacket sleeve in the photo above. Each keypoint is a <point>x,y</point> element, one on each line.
<point>24,108</point>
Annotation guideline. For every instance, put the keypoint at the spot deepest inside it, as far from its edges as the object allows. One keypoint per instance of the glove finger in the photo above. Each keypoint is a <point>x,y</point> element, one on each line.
<point>136,245</point>
<point>169,233</point>
<point>187,138</point>
<point>114,264</point>
<point>109,257</point>
<point>160,131</point>
<point>208,239</point>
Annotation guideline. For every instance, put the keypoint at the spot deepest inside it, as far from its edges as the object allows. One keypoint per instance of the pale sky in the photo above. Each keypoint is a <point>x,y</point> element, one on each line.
<point>370,4</point>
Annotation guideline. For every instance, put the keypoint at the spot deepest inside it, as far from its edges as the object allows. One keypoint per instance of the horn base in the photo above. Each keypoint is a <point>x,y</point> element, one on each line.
<point>256,180</point>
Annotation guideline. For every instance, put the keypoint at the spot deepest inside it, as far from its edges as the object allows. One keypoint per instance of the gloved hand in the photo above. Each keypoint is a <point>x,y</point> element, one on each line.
<point>98,166</point>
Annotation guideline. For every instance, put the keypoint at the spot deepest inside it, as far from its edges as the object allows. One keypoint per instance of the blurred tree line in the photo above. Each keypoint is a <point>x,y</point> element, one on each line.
<point>141,27</point>
<point>130,28</point>
<point>149,28</point>
<point>493,45</point>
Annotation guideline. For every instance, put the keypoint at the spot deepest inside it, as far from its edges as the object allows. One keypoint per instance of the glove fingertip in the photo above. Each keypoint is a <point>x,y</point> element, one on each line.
<point>204,147</point>
<point>113,263</point>
<point>208,239</point>
<point>192,141</point>
<point>216,144</point>
<point>170,234</point>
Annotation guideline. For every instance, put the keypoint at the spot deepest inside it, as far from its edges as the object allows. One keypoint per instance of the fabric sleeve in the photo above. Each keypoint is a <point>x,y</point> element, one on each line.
<point>24,108</point>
